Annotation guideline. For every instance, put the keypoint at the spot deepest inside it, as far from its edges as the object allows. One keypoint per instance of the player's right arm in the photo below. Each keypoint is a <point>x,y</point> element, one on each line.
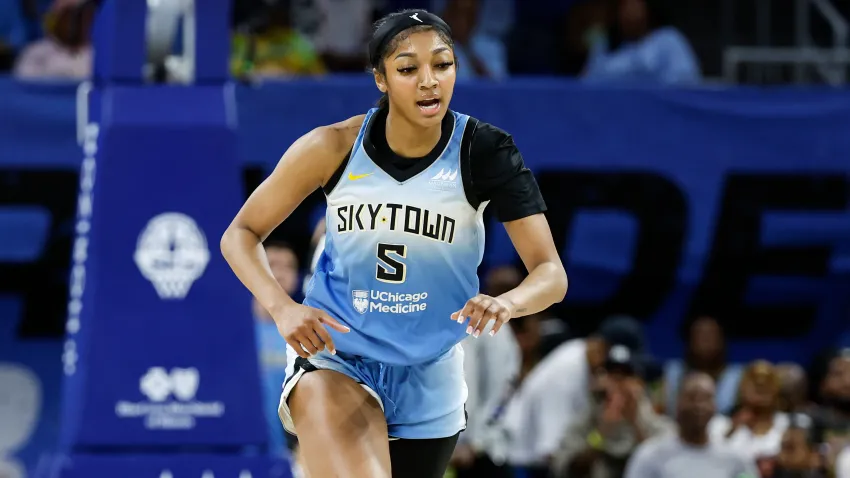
<point>307,165</point>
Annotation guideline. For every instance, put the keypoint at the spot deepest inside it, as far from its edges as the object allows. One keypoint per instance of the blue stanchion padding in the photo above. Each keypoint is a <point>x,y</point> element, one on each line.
<point>165,466</point>
<point>160,348</point>
<point>119,40</point>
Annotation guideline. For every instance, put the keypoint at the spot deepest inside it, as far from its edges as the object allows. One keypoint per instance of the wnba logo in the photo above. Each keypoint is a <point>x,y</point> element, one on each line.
<point>444,180</point>
<point>172,253</point>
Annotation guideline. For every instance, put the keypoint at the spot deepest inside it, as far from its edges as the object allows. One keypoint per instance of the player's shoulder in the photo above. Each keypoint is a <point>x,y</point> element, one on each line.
<point>325,148</point>
<point>336,138</point>
<point>489,146</point>
<point>486,134</point>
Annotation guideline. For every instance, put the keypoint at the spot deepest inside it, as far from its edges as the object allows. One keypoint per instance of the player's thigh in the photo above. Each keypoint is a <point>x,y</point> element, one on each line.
<point>426,458</point>
<point>341,428</point>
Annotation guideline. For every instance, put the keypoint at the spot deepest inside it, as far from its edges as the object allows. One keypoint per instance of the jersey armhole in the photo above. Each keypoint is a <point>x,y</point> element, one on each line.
<point>466,162</point>
<point>337,175</point>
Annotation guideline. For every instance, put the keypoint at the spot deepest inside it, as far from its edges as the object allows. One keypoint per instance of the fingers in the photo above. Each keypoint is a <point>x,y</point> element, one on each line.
<point>461,315</point>
<point>326,338</point>
<point>481,314</point>
<point>332,323</point>
<point>467,311</point>
<point>296,346</point>
<point>313,337</point>
<point>481,310</point>
<point>304,339</point>
<point>494,312</point>
<point>498,325</point>
<point>310,336</point>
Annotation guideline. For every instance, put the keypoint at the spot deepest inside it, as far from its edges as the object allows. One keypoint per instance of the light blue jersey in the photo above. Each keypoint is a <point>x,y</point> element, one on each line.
<point>400,257</point>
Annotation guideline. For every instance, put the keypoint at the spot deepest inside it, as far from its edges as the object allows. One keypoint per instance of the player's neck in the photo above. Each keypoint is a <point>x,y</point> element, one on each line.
<point>409,140</point>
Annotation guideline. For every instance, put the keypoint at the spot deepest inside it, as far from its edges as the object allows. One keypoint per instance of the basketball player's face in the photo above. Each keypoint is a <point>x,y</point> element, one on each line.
<point>420,78</point>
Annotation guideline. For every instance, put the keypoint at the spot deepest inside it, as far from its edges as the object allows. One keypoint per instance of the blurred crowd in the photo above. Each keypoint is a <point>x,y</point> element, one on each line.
<point>599,40</point>
<point>544,403</point>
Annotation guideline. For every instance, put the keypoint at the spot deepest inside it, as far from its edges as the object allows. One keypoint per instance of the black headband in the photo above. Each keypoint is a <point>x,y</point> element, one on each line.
<point>397,24</point>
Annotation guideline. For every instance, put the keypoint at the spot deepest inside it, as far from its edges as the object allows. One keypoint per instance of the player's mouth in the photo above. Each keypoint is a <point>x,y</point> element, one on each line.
<point>429,107</point>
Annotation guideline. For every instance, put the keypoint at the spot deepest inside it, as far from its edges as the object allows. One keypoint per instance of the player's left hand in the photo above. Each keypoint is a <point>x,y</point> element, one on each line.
<point>481,309</point>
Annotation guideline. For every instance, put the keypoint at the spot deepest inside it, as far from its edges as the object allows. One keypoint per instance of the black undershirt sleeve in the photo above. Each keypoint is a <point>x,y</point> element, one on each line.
<point>499,175</point>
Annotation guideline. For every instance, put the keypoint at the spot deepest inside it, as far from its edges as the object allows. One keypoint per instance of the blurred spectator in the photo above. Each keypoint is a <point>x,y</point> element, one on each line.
<point>268,46</point>
<point>690,453</point>
<point>14,29</point>
<point>495,17</point>
<point>66,51</point>
<point>480,54</point>
<point>502,279</point>
<point>270,345</point>
<point>339,30</point>
<point>246,11</point>
<point>494,367</point>
<point>842,464</point>
<point>555,394</point>
<point>553,333</point>
<point>640,46</point>
<point>533,38</point>
<point>527,331</point>
<point>573,27</point>
<point>620,417</point>
<point>757,426</point>
<point>794,387</point>
<point>705,352</point>
<point>798,456</point>
<point>832,418</point>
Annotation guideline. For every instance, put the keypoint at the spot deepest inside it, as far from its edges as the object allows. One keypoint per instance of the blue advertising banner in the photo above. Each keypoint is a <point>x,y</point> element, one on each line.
<point>664,203</point>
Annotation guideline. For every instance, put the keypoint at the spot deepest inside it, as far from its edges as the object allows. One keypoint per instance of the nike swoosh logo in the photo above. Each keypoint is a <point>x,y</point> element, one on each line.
<point>355,177</point>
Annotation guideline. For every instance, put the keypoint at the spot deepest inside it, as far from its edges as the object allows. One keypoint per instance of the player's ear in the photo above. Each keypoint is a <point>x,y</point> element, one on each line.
<point>380,80</point>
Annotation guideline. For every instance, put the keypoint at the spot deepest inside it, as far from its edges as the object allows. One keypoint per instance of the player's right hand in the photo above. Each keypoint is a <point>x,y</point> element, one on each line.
<point>303,328</point>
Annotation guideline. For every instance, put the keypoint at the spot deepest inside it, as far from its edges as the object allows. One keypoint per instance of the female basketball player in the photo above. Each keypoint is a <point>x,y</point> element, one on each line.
<point>374,349</point>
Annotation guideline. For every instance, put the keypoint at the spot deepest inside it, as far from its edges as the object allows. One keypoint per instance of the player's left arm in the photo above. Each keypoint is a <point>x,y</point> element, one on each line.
<point>546,283</point>
<point>499,175</point>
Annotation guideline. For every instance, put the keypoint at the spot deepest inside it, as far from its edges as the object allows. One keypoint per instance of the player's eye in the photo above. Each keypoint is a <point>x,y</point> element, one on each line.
<point>406,70</point>
<point>445,64</point>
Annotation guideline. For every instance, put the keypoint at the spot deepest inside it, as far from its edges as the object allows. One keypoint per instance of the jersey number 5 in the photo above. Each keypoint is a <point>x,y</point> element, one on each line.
<point>389,268</point>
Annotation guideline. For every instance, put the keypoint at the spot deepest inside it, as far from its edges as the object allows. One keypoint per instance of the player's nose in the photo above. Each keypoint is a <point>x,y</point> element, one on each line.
<point>427,80</point>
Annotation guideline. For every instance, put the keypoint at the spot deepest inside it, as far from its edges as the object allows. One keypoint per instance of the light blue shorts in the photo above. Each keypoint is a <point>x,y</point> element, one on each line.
<point>419,401</point>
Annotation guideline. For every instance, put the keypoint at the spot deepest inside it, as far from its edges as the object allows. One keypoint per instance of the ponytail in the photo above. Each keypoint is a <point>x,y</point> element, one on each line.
<point>383,102</point>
